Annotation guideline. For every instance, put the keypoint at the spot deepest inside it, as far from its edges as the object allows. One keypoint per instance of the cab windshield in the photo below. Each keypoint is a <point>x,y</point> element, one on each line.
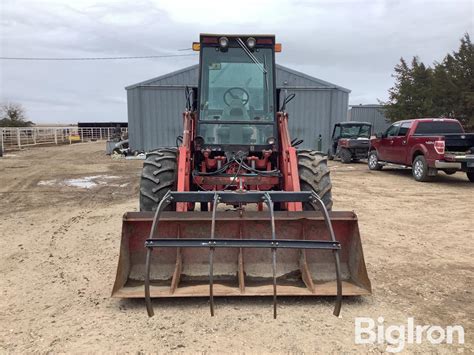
<point>355,131</point>
<point>234,87</point>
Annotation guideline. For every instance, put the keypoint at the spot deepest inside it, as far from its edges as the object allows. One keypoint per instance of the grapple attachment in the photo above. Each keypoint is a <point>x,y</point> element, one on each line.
<point>241,253</point>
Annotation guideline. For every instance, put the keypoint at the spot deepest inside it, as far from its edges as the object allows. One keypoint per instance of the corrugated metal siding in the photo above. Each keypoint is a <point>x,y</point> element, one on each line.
<point>372,114</point>
<point>160,121</point>
<point>314,112</point>
<point>188,77</point>
<point>135,135</point>
<point>285,78</point>
<point>155,108</point>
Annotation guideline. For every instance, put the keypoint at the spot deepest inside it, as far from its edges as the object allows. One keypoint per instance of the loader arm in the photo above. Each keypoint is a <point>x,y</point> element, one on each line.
<point>288,161</point>
<point>184,158</point>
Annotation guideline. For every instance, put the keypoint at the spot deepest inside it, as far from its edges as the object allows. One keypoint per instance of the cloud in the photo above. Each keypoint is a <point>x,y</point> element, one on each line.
<point>354,44</point>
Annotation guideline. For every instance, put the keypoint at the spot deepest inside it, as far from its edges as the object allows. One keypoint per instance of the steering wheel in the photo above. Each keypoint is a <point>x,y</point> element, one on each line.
<point>232,92</point>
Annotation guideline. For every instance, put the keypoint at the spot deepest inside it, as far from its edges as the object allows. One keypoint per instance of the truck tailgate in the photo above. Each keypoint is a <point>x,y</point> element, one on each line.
<point>459,142</point>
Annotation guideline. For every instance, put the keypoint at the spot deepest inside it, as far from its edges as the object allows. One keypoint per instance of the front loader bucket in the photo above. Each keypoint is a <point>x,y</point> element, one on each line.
<point>240,254</point>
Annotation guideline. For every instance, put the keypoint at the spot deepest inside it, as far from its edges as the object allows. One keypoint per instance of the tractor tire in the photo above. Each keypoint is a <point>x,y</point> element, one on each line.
<point>470,175</point>
<point>373,161</point>
<point>314,176</point>
<point>420,169</point>
<point>159,175</point>
<point>345,155</point>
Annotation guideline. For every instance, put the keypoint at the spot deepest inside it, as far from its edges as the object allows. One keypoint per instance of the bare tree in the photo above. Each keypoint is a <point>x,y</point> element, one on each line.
<point>13,115</point>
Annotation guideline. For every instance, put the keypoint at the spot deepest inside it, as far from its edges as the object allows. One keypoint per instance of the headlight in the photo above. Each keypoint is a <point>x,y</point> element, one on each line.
<point>271,140</point>
<point>224,42</point>
<point>251,42</point>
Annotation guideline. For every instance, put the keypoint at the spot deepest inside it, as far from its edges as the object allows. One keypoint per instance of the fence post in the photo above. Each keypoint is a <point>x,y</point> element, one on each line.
<point>81,134</point>
<point>2,149</point>
<point>33,134</point>
<point>18,138</point>
<point>100,130</point>
<point>56,136</point>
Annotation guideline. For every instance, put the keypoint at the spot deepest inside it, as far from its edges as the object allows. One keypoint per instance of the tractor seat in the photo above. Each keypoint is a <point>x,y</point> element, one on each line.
<point>235,111</point>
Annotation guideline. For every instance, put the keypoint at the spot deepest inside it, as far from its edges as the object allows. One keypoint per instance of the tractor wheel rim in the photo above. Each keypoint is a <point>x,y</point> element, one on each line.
<point>418,169</point>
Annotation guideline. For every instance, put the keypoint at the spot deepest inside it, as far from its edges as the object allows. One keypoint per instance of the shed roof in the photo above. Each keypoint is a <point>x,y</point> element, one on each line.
<point>366,106</point>
<point>191,72</point>
<point>352,123</point>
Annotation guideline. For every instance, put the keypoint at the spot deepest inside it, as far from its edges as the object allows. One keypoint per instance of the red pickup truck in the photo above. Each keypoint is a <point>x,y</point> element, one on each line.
<point>427,145</point>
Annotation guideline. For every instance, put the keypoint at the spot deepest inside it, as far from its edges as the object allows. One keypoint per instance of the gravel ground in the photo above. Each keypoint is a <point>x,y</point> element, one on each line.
<point>61,210</point>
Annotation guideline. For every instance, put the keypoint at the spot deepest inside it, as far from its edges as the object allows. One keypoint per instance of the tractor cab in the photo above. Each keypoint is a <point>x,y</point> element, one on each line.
<point>236,104</point>
<point>350,141</point>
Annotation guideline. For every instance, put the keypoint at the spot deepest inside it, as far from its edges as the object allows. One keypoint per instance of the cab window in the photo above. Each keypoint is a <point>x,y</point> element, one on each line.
<point>392,131</point>
<point>404,128</point>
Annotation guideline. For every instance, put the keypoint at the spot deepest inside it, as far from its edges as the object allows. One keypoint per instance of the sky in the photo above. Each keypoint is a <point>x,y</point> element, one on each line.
<point>354,44</point>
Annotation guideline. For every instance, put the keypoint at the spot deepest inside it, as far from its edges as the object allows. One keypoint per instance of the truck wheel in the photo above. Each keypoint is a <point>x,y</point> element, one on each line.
<point>373,161</point>
<point>470,175</point>
<point>159,175</point>
<point>330,156</point>
<point>420,169</point>
<point>345,155</point>
<point>314,176</point>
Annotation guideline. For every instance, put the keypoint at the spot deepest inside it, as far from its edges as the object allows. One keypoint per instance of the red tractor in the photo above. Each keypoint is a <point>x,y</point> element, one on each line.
<point>236,150</point>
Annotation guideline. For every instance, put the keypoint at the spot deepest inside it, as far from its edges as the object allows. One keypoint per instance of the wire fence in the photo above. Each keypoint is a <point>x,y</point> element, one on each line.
<point>12,138</point>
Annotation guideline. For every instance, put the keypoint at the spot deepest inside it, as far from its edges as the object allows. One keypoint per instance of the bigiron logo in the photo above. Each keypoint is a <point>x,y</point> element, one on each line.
<point>396,336</point>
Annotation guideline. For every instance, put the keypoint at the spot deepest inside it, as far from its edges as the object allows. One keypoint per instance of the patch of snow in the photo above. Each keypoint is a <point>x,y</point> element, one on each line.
<point>95,177</point>
<point>84,183</point>
<point>47,182</point>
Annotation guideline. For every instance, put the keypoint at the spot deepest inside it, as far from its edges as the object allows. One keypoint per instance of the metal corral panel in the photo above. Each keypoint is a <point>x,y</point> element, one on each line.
<point>370,113</point>
<point>155,107</point>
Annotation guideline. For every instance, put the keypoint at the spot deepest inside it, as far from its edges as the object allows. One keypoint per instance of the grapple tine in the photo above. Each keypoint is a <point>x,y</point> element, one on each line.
<point>274,284</point>
<point>211,255</point>
<point>322,207</point>
<point>337,308</point>
<point>211,280</point>
<point>269,203</point>
<point>163,203</point>
<point>149,307</point>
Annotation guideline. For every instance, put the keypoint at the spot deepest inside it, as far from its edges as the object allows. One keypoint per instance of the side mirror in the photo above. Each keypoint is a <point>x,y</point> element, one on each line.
<point>379,135</point>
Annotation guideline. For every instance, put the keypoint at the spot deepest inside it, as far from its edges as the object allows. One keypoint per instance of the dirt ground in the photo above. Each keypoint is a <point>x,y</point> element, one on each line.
<point>59,246</point>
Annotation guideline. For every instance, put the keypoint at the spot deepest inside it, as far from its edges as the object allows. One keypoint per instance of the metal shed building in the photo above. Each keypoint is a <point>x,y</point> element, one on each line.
<point>155,107</point>
<point>370,113</point>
